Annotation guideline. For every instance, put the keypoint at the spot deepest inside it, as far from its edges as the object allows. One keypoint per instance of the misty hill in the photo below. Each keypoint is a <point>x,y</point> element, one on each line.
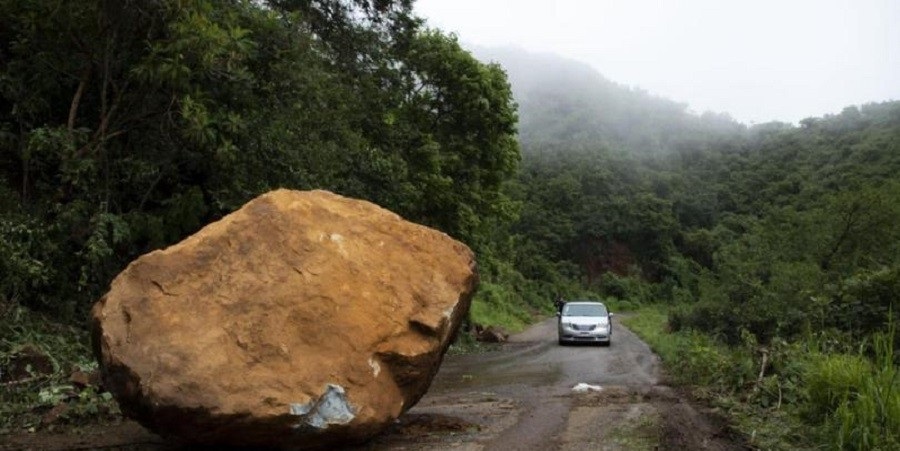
<point>566,103</point>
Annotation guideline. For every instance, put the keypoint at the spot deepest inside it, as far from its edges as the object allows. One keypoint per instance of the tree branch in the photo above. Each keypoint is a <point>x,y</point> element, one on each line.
<point>850,221</point>
<point>76,100</point>
<point>762,369</point>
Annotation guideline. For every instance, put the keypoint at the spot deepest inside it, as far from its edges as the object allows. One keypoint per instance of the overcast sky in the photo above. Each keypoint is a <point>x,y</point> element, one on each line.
<point>759,60</point>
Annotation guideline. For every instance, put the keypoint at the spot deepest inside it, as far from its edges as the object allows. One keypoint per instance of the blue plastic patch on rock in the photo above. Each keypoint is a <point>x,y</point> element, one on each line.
<point>331,408</point>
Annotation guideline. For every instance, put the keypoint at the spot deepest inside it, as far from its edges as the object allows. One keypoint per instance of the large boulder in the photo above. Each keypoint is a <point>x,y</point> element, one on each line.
<point>304,319</point>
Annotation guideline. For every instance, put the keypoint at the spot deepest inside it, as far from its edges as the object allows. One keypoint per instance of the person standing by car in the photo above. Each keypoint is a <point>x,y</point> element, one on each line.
<point>559,303</point>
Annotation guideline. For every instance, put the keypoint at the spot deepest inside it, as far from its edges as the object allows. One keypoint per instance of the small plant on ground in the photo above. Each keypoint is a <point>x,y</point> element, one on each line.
<point>47,374</point>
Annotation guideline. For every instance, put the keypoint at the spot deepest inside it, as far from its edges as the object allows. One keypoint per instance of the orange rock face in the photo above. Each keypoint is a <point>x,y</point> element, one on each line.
<point>303,319</point>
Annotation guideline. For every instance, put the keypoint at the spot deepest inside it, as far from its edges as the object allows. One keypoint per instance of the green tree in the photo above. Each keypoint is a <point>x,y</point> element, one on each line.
<point>127,125</point>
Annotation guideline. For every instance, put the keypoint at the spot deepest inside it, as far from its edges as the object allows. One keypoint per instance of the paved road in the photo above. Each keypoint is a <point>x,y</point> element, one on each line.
<point>520,397</point>
<point>517,397</point>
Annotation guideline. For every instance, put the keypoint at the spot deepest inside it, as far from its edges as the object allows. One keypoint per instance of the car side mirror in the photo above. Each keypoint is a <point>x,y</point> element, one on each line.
<point>611,314</point>
<point>558,314</point>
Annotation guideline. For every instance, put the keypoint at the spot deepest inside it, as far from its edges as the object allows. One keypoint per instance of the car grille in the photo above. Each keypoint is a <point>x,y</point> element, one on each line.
<point>583,327</point>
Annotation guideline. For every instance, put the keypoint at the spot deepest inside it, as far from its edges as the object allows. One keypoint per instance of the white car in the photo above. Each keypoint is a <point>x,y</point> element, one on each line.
<point>585,322</point>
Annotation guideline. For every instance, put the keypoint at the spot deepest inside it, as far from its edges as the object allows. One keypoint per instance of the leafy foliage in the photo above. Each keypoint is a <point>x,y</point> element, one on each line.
<point>867,415</point>
<point>37,357</point>
<point>125,126</point>
<point>773,229</point>
<point>775,245</point>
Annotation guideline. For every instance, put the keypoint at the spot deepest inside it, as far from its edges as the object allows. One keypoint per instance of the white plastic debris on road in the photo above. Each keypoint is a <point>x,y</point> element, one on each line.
<point>584,388</point>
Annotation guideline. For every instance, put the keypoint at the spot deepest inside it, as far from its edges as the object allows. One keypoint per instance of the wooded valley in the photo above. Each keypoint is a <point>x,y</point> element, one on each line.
<point>764,259</point>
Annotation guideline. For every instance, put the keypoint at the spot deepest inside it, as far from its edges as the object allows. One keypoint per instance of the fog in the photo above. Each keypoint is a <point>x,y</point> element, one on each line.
<point>759,60</point>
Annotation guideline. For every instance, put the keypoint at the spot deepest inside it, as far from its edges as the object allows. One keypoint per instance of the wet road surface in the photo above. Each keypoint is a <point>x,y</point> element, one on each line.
<point>517,397</point>
<point>521,397</point>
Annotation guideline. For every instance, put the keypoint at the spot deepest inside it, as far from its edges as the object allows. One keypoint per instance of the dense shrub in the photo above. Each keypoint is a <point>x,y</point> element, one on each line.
<point>868,415</point>
<point>495,305</point>
<point>629,288</point>
<point>823,392</point>
<point>867,301</point>
<point>832,379</point>
<point>25,257</point>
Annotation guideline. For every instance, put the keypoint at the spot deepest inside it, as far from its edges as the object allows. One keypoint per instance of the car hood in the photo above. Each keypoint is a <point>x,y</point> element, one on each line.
<point>585,320</point>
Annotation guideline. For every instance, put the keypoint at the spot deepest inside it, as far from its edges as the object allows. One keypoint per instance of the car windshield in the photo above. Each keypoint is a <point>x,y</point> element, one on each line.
<point>584,310</point>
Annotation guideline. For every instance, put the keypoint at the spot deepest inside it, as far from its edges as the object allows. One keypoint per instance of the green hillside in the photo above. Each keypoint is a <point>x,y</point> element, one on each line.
<point>764,259</point>
<point>565,103</point>
<point>772,251</point>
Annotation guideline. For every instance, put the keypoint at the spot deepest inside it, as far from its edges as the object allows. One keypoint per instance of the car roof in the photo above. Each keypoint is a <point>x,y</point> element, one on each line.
<point>585,303</point>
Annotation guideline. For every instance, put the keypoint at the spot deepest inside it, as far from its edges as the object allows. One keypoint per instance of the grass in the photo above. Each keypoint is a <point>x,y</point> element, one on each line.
<point>867,398</point>
<point>806,397</point>
<point>495,306</point>
<point>691,357</point>
<point>721,376</point>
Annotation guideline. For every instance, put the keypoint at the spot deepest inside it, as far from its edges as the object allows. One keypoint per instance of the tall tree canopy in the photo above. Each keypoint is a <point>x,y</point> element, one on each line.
<point>771,229</point>
<point>125,125</point>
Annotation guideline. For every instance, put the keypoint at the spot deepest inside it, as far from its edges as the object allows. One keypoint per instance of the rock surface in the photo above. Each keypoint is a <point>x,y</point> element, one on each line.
<point>304,319</point>
<point>491,334</point>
